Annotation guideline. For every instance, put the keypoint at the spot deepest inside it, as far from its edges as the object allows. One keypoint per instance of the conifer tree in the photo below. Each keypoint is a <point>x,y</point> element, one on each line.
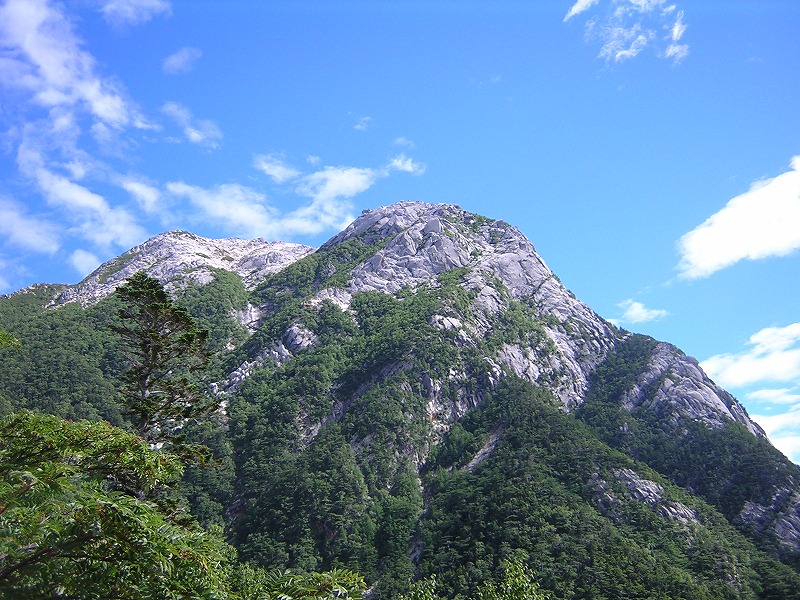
<point>164,348</point>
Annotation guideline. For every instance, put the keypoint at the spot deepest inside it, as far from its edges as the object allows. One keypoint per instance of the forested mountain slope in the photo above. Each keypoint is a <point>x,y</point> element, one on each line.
<point>421,396</point>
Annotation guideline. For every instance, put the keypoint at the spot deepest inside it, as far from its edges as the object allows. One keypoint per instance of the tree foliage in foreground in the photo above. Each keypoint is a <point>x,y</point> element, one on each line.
<point>83,516</point>
<point>517,583</point>
<point>78,517</point>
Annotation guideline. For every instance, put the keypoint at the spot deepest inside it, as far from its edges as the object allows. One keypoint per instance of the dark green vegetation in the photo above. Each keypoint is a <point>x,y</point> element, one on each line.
<point>726,466</point>
<point>164,349</point>
<point>90,511</point>
<point>332,459</point>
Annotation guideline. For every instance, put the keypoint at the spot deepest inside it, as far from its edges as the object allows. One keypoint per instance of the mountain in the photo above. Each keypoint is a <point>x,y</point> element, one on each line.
<point>421,395</point>
<point>177,258</point>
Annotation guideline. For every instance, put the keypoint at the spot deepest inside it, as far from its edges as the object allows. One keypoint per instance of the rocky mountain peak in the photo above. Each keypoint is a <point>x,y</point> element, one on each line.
<point>416,242</point>
<point>178,258</point>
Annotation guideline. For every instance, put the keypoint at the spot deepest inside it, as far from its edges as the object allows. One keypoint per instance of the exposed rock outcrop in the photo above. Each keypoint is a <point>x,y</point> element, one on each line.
<point>780,518</point>
<point>646,491</point>
<point>178,257</point>
<point>675,387</point>
<point>421,241</point>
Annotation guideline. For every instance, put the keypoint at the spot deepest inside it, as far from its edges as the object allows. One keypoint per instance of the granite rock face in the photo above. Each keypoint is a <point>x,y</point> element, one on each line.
<point>421,241</point>
<point>780,519</point>
<point>177,258</point>
<point>675,387</point>
<point>629,484</point>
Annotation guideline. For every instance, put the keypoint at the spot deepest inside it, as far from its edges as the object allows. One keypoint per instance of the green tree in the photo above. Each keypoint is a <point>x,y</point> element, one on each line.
<point>518,582</point>
<point>6,339</point>
<point>164,348</point>
<point>76,520</point>
<point>253,583</point>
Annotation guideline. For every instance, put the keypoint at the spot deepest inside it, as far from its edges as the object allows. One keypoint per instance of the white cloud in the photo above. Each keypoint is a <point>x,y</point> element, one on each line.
<point>84,261</point>
<point>762,222</point>
<point>775,396</point>
<point>337,182</point>
<point>133,12</point>
<point>320,215</point>
<point>198,131</point>
<point>788,444</point>
<point>275,167</point>
<point>625,28</point>
<point>363,124</point>
<point>236,207</point>
<point>181,61</point>
<point>678,28</point>
<point>4,283</point>
<point>782,431</point>
<point>26,232</point>
<point>403,141</point>
<point>774,356</point>
<point>621,43</point>
<point>406,165</point>
<point>636,312</point>
<point>579,7</point>
<point>329,189</point>
<point>677,51</point>
<point>95,219</point>
<point>61,191</point>
<point>44,56</point>
<point>146,196</point>
<point>245,211</point>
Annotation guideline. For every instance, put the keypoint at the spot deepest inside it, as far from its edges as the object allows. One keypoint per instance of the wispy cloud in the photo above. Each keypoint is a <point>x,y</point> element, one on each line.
<point>336,182</point>
<point>775,396</point>
<point>93,218</point>
<point>405,142</point>
<point>579,7</point>
<point>636,312</point>
<point>240,208</point>
<point>773,356</point>
<point>25,231</point>
<point>44,57</point>
<point>133,12</point>
<point>247,212</point>
<point>202,132</point>
<point>181,61</point>
<point>761,223</point>
<point>676,50</point>
<point>83,261</point>
<point>625,28</point>
<point>782,430</point>
<point>363,124</point>
<point>61,98</point>
<point>407,165</point>
<point>275,167</point>
<point>147,196</point>
<point>4,283</point>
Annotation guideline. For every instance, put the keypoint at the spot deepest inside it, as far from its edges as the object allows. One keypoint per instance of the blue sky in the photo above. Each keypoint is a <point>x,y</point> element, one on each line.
<point>650,149</point>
